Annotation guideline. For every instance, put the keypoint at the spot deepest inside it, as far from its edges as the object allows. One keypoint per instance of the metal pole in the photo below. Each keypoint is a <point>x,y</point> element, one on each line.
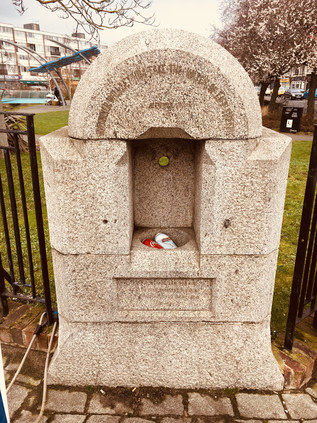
<point>39,216</point>
<point>301,246</point>
<point>3,299</point>
<point>71,49</point>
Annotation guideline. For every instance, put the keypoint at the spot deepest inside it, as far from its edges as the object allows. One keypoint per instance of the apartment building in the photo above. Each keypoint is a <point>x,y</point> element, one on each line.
<point>297,77</point>
<point>15,62</point>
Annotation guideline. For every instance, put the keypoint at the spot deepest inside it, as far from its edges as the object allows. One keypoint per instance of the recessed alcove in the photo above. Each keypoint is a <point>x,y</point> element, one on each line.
<point>180,236</point>
<point>166,181</point>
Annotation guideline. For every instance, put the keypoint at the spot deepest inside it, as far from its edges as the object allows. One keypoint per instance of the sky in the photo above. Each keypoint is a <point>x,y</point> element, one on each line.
<point>191,15</point>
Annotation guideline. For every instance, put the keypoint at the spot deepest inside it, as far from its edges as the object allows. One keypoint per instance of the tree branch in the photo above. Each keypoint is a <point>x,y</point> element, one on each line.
<point>95,15</point>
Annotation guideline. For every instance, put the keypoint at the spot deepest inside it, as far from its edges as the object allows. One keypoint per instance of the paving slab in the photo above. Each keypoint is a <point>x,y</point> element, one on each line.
<point>249,421</point>
<point>16,397</point>
<point>170,405</point>
<point>179,420</point>
<point>136,420</point>
<point>312,390</point>
<point>260,406</point>
<point>283,421</point>
<point>28,380</point>
<point>300,406</point>
<point>66,401</point>
<point>97,418</point>
<point>204,405</point>
<point>70,418</point>
<point>105,404</point>
<point>28,417</point>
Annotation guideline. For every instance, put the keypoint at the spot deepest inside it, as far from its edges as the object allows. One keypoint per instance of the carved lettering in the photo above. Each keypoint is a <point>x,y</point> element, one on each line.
<point>165,294</point>
<point>185,71</point>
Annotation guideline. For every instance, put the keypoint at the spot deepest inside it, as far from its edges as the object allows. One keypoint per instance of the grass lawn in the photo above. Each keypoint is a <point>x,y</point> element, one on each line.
<point>290,230</point>
<point>45,123</point>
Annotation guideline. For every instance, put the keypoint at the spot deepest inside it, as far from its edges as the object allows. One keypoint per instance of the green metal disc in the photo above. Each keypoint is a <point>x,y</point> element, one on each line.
<point>164,161</point>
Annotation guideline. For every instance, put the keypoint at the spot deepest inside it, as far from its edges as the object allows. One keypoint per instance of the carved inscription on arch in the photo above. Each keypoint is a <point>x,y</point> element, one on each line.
<point>144,66</point>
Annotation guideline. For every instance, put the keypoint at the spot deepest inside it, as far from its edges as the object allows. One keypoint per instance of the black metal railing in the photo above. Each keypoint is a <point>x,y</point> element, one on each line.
<point>304,287</point>
<point>17,273</point>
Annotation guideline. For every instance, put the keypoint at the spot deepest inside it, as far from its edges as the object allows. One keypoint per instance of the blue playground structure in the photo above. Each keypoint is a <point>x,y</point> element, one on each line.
<point>24,97</point>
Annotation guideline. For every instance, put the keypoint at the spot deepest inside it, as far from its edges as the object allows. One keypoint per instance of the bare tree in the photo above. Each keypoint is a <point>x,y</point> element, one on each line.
<point>95,15</point>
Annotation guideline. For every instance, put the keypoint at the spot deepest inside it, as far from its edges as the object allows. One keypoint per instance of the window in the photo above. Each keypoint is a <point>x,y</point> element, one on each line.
<point>76,73</point>
<point>19,34</point>
<point>55,51</point>
<point>50,37</point>
<point>30,35</point>
<point>3,69</point>
<point>5,29</point>
<point>32,47</point>
<point>12,70</point>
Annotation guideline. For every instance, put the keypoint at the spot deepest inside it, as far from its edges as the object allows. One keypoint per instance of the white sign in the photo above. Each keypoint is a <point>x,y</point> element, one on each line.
<point>289,123</point>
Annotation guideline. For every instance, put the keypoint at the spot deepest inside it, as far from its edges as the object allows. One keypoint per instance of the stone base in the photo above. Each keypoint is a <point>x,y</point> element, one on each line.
<point>169,354</point>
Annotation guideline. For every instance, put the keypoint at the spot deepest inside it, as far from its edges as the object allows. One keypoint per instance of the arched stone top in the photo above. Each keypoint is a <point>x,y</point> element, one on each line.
<point>169,79</point>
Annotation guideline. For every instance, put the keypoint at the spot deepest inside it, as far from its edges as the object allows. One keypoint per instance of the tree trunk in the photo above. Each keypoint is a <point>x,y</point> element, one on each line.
<point>3,137</point>
<point>311,99</point>
<point>264,86</point>
<point>274,94</point>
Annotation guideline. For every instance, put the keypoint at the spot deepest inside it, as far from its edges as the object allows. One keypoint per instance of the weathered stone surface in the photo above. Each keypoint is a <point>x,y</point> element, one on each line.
<point>103,419</point>
<point>204,405</point>
<point>197,316</point>
<point>260,406</point>
<point>170,405</point>
<point>130,290</point>
<point>243,184</point>
<point>71,418</point>
<point>28,417</point>
<point>66,401</point>
<point>154,206</point>
<point>88,203</point>
<point>187,355</point>
<point>165,78</point>
<point>101,404</point>
<point>250,421</point>
<point>177,420</point>
<point>90,206</point>
<point>300,406</point>
<point>28,380</point>
<point>282,421</point>
<point>15,397</point>
<point>136,420</point>
<point>312,390</point>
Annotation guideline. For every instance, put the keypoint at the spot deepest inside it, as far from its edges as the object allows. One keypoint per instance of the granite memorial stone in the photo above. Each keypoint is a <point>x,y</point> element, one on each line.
<point>165,136</point>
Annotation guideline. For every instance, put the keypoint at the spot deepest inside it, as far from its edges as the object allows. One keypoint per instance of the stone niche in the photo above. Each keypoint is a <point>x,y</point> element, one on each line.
<point>197,316</point>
